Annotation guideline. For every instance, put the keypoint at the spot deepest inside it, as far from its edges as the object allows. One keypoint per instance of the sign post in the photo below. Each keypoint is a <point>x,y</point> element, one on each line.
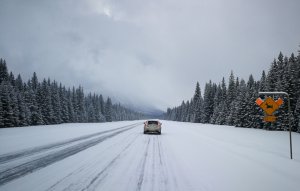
<point>269,106</point>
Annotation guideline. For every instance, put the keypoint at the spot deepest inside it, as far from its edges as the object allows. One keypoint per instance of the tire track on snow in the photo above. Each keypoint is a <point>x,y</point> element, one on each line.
<point>28,152</point>
<point>103,173</point>
<point>144,159</point>
<point>31,166</point>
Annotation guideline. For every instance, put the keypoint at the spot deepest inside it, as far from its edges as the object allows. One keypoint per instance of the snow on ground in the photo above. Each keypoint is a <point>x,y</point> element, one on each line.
<point>118,156</point>
<point>27,137</point>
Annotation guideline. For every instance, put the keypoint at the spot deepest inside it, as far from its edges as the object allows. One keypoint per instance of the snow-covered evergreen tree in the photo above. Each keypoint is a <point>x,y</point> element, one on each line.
<point>23,110</point>
<point>75,106</point>
<point>297,111</point>
<point>263,82</point>
<point>45,102</point>
<point>19,86</point>
<point>71,111</point>
<point>65,117</point>
<point>1,112</point>
<point>11,79</point>
<point>208,102</point>
<point>272,77</point>
<point>221,118</point>
<point>198,103</point>
<point>232,94</point>
<point>34,82</point>
<point>56,103</point>
<point>3,71</point>
<point>231,91</point>
<point>108,110</point>
<point>34,113</point>
<point>81,112</point>
<point>9,116</point>
<point>217,100</point>
<point>251,107</point>
<point>90,108</point>
<point>223,109</point>
<point>241,103</point>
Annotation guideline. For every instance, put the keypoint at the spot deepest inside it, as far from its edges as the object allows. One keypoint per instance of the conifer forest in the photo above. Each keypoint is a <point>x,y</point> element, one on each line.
<point>48,102</point>
<point>234,104</point>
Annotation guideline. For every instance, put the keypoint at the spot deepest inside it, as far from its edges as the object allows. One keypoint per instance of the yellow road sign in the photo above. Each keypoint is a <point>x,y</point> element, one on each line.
<point>269,106</point>
<point>269,118</point>
<point>279,102</point>
<point>259,101</point>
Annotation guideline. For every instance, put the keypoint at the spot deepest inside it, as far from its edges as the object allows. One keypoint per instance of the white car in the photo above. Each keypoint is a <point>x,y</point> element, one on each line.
<point>152,126</point>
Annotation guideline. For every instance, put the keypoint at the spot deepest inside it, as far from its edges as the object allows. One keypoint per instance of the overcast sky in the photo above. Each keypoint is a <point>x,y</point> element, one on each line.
<point>146,52</point>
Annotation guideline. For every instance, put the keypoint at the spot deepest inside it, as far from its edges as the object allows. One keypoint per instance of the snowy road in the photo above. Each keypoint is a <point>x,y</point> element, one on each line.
<point>118,156</point>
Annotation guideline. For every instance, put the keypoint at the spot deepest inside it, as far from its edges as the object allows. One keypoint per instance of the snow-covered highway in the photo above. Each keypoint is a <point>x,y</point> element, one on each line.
<point>118,156</point>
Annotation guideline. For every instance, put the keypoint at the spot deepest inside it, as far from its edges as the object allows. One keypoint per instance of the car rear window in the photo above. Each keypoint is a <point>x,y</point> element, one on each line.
<point>153,122</point>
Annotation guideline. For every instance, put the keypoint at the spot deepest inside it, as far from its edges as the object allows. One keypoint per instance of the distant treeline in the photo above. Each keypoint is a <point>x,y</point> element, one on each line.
<point>47,102</point>
<point>235,104</point>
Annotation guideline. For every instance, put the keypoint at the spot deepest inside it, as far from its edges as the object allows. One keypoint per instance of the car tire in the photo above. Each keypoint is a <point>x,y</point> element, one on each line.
<point>159,132</point>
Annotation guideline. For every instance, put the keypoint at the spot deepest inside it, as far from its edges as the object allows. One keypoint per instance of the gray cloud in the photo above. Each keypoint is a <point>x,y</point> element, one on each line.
<point>145,53</point>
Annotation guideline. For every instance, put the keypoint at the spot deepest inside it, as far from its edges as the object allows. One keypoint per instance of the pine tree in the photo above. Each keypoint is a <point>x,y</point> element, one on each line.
<point>23,111</point>
<point>101,108</point>
<point>19,84</point>
<point>11,79</point>
<point>96,104</point>
<point>75,106</point>
<point>34,113</point>
<point>8,112</point>
<point>65,117</point>
<point>221,118</point>
<point>3,71</point>
<point>108,110</point>
<point>231,91</point>
<point>14,105</point>
<point>71,108</point>
<point>91,113</point>
<point>223,109</point>
<point>263,82</point>
<point>56,103</point>
<point>188,112</point>
<point>251,110</point>
<point>45,103</point>
<point>272,77</point>
<point>81,112</point>
<point>233,113</point>
<point>223,90</point>
<point>191,111</point>
<point>292,80</point>
<point>241,104</point>
<point>296,112</point>
<point>198,102</point>
<point>281,65</point>
<point>217,100</point>
<point>232,94</point>
<point>1,112</point>
<point>208,102</point>
<point>34,82</point>
<point>102,104</point>
<point>184,111</point>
